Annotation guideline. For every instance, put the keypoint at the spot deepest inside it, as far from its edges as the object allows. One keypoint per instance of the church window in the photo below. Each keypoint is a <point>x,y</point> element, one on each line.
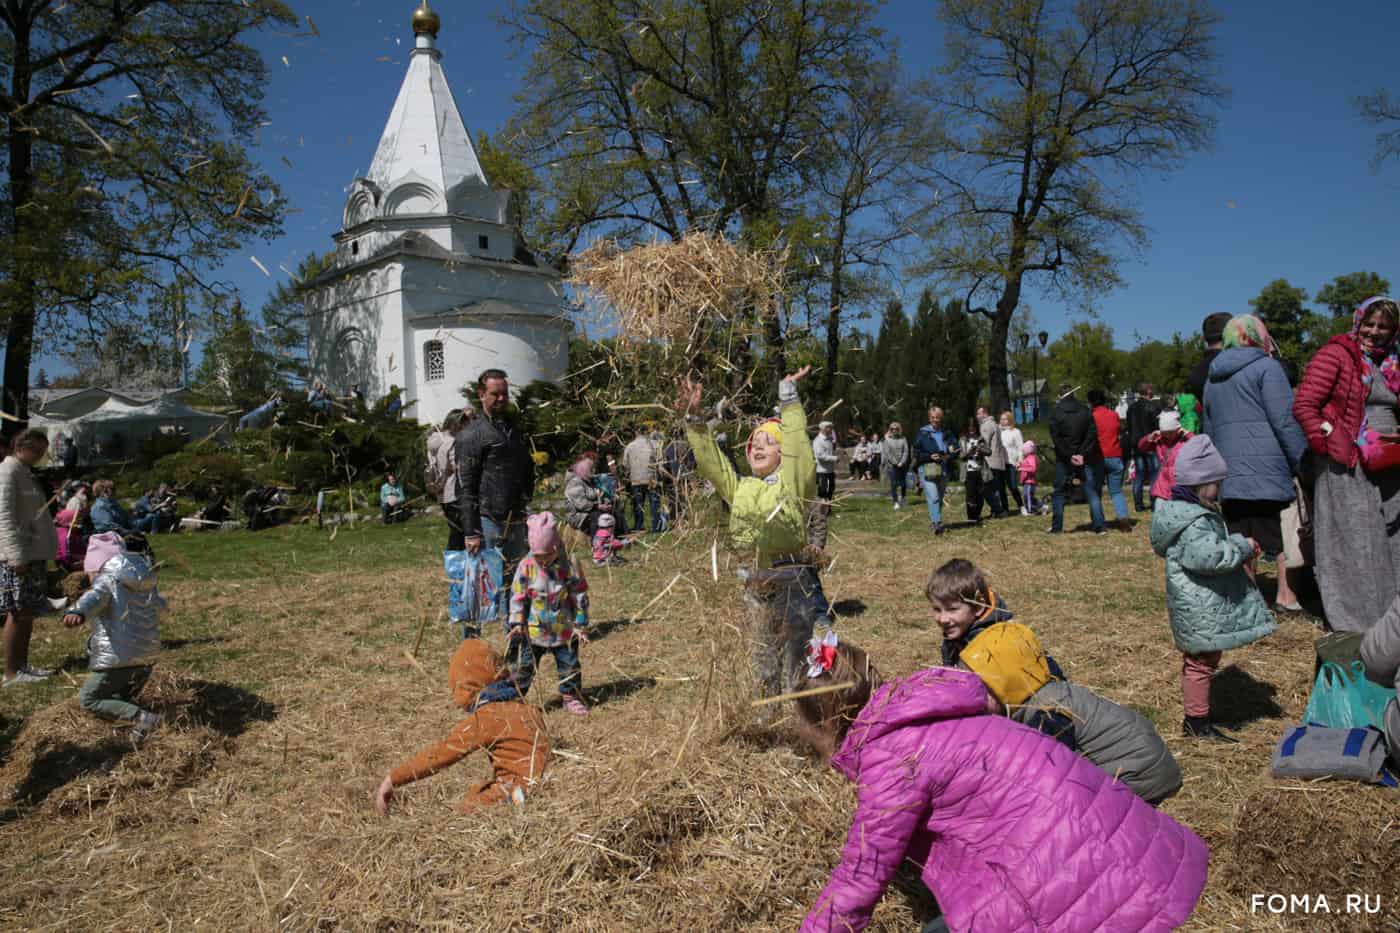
<point>434,362</point>
<point>483,242</point>
<point>354,247</point>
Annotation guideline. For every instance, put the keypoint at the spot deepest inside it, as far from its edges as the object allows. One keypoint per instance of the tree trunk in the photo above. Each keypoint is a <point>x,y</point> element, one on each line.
<point>19,316</point>
<point>833,326</point>
<point>997,368</point>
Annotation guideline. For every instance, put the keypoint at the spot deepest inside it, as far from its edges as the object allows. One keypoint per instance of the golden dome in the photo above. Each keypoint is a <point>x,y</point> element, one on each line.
<point>425,21</point>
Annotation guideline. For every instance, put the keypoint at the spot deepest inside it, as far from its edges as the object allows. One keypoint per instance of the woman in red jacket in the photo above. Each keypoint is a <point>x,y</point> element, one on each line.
<point>1347,406</point>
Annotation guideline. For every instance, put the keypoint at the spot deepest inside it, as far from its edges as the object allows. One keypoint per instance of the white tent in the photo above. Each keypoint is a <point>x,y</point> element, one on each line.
<point>116,428</point>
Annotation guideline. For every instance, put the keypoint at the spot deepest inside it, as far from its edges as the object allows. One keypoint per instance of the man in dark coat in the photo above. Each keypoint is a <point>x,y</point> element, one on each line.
<point>1213,333</point>
<point>1076,441</point>
<point>495,480</point>
<point>1142,421</point>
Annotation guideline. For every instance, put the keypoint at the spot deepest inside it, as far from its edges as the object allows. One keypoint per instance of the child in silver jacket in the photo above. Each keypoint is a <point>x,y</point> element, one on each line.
<point>123,607</point>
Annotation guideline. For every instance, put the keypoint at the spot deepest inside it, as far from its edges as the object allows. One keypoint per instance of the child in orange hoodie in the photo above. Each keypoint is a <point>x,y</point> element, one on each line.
<point>499,721</point>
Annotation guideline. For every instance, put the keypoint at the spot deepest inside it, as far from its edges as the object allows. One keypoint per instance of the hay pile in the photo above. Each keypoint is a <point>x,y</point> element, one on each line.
<point>701,290</point>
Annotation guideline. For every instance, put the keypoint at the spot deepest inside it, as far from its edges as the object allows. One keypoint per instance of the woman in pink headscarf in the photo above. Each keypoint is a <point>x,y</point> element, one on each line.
<point>583,500</point>
<point>1347,406</point>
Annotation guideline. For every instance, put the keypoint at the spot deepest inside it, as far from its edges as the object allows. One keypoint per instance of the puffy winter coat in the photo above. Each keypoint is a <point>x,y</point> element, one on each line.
<point>1331,392</point>
<point>1249,416</point>
<point>1210,601</point>
<point>495,475</point>
<point>1014,831</point>
<point>1380,650</point>
<point>124,608</point>
<point>1122,743</point>
<point>767,517</point>
<point>26,528</point>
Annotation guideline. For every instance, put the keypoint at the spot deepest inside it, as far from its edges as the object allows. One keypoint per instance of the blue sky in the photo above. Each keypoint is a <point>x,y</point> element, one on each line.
<point>1290,154</point>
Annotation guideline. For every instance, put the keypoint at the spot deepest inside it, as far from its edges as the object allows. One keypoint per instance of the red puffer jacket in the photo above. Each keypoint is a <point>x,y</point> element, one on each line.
<point>1331,391</point>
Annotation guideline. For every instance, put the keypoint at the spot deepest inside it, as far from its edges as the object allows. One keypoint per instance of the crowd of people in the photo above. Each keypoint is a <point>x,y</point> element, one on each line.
<point>954,763</point>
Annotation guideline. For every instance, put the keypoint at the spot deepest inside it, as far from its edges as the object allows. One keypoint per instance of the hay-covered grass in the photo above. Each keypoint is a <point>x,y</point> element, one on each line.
<point>289,696</point>
<point>701,290</point>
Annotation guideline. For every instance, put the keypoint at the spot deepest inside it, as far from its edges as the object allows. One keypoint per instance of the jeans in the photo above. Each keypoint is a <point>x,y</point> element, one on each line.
<point>785,605</point>
<point>523,657</point>
<point>108,694</point>
<point>1013,489</point>
<point>995,491</point>
<point>1113,471</point>
<point>1146,473</point>
<point>933,494</point>
<point>1064,475</point>
<point>897,481</point>
<point>639,494</point>
<point>513,545</point>
<point>146,524</point>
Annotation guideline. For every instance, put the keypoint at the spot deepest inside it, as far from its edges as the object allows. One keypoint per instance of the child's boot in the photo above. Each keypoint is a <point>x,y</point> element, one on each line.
<point>1199,727</point>
<point>146,723</point>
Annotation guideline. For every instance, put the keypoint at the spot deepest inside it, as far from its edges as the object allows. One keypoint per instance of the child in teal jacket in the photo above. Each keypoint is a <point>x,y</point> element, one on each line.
<point>767,518</point>
<point>1212,604</point>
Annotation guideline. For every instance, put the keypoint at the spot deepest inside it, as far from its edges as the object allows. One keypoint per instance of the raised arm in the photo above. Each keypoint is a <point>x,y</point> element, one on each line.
<point>710,461</point>
<point>799,468</point>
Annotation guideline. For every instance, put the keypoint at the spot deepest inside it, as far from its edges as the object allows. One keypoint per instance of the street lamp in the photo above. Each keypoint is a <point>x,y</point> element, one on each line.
<point>1044,338</point>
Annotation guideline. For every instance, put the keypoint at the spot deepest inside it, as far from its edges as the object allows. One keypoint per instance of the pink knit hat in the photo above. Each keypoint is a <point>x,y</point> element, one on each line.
<point>543,531</point>
<point>102,548</point>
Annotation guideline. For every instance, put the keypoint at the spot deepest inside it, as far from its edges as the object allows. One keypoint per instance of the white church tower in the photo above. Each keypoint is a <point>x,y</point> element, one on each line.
<point>430,284</point>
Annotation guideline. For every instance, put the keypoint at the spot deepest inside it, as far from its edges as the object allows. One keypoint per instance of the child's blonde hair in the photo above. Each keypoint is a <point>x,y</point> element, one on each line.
<point>957,581</point>
<point>823,720</point>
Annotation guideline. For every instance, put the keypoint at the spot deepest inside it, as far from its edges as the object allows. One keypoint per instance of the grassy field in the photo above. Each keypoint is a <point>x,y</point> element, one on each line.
<point>290,689</point>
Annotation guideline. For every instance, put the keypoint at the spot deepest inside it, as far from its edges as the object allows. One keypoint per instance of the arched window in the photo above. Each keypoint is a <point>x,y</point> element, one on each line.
<point>434,362</point>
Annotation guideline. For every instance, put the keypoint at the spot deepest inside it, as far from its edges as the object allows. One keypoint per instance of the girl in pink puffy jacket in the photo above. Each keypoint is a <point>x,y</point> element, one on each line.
<point>1013,830</point>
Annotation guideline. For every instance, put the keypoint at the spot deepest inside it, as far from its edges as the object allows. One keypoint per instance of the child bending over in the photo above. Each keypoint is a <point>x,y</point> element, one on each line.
<point>768,515</point>
<point>1016,671</point>
<point>1211,602</point>
<point>511,731</point>
<point>123,607</point>
<point>607,546</point>
<point>1012,830</point>
<point>548,613</point>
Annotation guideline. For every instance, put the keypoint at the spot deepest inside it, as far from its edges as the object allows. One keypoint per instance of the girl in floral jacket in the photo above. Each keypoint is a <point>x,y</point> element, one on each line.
<point>548,613</point>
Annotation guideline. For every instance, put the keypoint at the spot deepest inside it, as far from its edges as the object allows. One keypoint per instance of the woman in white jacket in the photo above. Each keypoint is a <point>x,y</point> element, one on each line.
<point>1012,440</point>
<point>27,543</point>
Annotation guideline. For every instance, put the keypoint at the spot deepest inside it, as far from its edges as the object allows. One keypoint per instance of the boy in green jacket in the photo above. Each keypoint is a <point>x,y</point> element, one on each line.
<point>767,513</point>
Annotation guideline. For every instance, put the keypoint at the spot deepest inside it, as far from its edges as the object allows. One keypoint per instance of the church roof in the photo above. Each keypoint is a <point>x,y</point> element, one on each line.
<point>425,139</point>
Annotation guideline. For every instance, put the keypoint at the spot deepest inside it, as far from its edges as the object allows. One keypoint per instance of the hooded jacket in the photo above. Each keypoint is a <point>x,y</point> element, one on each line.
<point>124,608</point>
<point>1014,831</point>
<point>1072,430</point>
<point>768,516</point>
<point>1210,601</point>
<point>581,499</point>
<point>495,475</point>
<point>1249,416</point>
<point>1380,651</point>
<point>512,732</point>
<point>952,649</point>
<point>930,440</point>
<point>1331,392</point>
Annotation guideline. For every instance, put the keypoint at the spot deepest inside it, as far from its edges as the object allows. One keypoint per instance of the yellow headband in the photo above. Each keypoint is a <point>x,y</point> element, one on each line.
<point>772,428</point>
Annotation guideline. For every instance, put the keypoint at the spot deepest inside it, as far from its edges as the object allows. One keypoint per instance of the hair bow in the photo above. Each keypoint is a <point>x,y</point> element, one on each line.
<point>821,654</point>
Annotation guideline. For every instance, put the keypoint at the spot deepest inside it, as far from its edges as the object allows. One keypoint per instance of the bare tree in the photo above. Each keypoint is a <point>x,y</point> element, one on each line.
<point>1050,107</point>
<point>1382,110</point>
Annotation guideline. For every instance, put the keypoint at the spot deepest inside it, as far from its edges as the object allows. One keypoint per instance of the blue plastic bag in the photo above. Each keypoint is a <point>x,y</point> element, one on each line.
<point>1343,698</point>
<point>474,584</point>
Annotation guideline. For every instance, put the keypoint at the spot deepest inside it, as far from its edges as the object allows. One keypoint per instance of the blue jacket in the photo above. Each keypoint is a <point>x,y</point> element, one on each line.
<point>108,515</point>
<point>929,442</point>
<point>1249,415</point>
<point>1211,603</point>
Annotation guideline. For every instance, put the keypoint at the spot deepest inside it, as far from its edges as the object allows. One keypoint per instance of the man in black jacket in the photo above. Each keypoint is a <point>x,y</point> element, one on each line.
<point>1076,443</point>
<point>1142,421</point>
<point>495,480</point>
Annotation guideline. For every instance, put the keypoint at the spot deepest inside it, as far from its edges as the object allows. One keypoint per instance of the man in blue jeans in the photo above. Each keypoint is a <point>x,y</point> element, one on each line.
<point>935,450</point>
<point>1076,445</point>
<point>495,480</point>
<point>1142,421</point>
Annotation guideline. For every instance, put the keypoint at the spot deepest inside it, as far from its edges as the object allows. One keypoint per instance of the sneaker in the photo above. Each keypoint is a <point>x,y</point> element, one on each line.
<point>1199,727</point>
<point>937,528</point>
<point>25,675</point>
<point>1025,511</point>
<point>574,705</point>
<point>146,723</point>
<point>1054,531</point>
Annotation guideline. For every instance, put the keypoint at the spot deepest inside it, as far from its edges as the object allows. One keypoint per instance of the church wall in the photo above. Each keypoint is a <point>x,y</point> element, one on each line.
<point>526,347</point>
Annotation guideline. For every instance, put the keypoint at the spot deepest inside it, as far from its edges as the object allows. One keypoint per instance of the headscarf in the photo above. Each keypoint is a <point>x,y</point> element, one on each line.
<point>1390,364</point>
<point>1246,330</point>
